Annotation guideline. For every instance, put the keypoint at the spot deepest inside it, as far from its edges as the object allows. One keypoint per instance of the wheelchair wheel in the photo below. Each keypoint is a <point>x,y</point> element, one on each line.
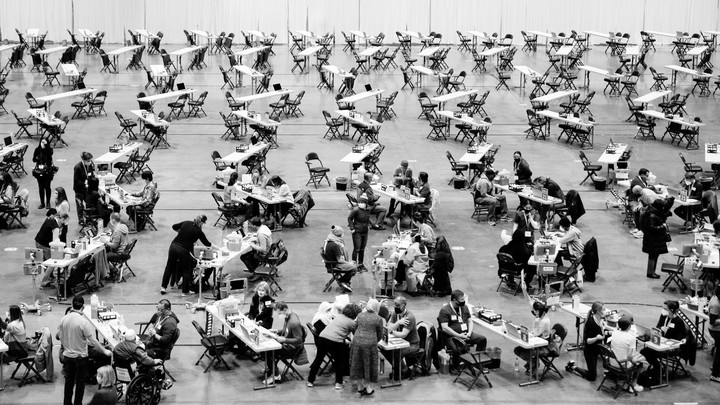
<point>142,390</point>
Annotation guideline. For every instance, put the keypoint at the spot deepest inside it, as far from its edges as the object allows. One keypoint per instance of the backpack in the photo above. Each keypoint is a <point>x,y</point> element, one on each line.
<point>649,377</point>
<point>427,343</point>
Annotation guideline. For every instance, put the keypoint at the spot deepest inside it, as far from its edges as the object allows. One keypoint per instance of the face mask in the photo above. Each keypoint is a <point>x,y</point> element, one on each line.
<point>398,310</point>
<point>461,304</point>
<point>664,312</point>
<point>534,314</point>
<point>687,183</point>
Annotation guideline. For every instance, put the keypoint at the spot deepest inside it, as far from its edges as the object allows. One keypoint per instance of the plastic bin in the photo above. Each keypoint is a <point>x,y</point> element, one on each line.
<point>600,183</point>
<point>341,183</point>
<point>459,182</point>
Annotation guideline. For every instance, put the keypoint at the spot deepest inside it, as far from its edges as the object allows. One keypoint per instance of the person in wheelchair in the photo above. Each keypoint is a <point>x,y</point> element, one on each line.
<point>132,351</point>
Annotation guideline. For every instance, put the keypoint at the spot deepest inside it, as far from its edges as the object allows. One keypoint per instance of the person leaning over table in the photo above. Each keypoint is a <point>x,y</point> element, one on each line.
<point>49,232</point>
<point>655,234</point>
<point>81,172</point>
<point>148,194</point>
<point>521,168</point>
<point>714,329</point>
<point>43,171</point>
<point>334,339</point>
<point>323,316</point>
<point>259,246</point>
<point>593,335</point>
<point>180,262</point>
<point>694,190</point>
<point>401,177</point>
<point>291,336</point>
<point>373,205</point>
<point>364,348</point>
<point>402,324</point>
<point>571,239</point>
<point>455,322</point>
<point>672,327</point>
<point>484,194</point>
<point>554,190</point>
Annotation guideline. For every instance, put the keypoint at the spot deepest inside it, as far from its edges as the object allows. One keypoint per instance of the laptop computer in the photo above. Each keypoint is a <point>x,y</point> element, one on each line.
<point>181,86</point>
<point>643,333</point>
<point>8,140</point>
<point>277,87</point>
<point>368,87</point>
<point>513,330</point>
<point>81,86</point>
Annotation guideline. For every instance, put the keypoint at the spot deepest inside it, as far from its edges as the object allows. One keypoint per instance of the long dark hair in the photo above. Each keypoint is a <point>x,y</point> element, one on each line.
<point>233,179</point>
<point>16,314</point>
<point>420,243</point>
<point>7,180</point>
<point>61,195</point>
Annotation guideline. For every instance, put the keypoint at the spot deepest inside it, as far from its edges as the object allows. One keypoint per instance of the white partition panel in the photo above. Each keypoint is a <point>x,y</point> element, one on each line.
<point>323,16</point>
<point>389,16</point>
<point>53,16</point>
<point>462,15</point>
<point>113,18</point>
<point>687,16</point>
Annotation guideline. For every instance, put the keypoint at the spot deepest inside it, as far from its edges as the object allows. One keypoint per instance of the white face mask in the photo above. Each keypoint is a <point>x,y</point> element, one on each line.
<point>687,182</point>
<point>664,312</point>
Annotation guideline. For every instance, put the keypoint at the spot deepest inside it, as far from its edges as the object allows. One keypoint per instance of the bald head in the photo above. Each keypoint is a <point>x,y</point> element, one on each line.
<point>130,335</point>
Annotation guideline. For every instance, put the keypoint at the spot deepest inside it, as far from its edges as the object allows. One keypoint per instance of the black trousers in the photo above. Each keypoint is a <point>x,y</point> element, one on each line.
<point>179,263</point>
<point>340,353</point>
<point>75,369</point>
<point>44,189</point>
<point>591,353</point>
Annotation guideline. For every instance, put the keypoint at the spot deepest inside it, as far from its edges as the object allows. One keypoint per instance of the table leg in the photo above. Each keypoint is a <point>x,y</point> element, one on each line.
<point>398,363</point>
<point>578,345</point>
<point>533,375</point>
<point>666,374</point>
<point>2,376</point>
<point>116,63</point>
<point>265,384</point>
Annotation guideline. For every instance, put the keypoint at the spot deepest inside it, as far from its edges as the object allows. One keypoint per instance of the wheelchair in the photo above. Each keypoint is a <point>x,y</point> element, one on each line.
<point>140,387</point>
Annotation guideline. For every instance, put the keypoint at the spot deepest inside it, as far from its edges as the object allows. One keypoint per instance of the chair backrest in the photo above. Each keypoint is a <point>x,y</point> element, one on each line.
<point>199,329</point>
<point>506,263</point>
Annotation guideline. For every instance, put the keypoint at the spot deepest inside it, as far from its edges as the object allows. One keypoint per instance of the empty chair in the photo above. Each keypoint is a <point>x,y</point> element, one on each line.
<point>317,170</point>
<point>50,74</point>
<point>196,105</point>
<point>293,106</point>
<point>590,169</point>
<point>96,105</point>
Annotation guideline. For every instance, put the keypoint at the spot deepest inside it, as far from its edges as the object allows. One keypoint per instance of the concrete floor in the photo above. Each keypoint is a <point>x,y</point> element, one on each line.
<point>185,175</point>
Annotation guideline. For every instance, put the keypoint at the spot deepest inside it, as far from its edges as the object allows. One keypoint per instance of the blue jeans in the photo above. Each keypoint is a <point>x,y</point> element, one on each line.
<point>359,243</point>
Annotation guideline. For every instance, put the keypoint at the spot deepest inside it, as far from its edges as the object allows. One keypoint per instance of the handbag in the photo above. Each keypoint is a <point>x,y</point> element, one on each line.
<point>667,237</point>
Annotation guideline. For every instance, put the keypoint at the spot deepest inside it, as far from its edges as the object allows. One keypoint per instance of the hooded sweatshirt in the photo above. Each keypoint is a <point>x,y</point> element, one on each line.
<point>335,248</point>
<point>166,327</point>
<point>119,238</point>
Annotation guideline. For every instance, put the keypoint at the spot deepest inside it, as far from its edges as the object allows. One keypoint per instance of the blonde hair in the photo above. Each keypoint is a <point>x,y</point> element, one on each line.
<point>263,285</point>
<point>106,376</point>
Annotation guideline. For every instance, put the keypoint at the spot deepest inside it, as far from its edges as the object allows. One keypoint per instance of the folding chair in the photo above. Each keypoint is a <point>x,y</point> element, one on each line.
<point>426,105</point>
<point>659,79</point>
<point>268,269</point>
<point>299,61</point>
<point>126,168</point>
<point>140,162</point>
<point>27,361</point>
<point>458,168</point>
<point>548,359</point>
<point>146,213</point>
<point>50,74</point>
<point>316,169</point>
<point>226,215</point>
<point>279,107</point>
<point>292,107</point>
<point>96,105</point>
<point>80,106</point>
<point>196,105</point>
<point>590,169</point>
<point>508,270</point>
<point>537,125</point>
<point>621,373</point>
<point>232,127</point>
<point>472,363</point>
<point>502,78</point>
<point>407,80</point>
<point>107,63</point>
<point>178,106</point>
<point>674,272</point>
<point>328,361</point>
<point>290,363</point>
<point>333,125</point>
<point>437,126</point>
<point>215,346</point>
<point>567,275</point>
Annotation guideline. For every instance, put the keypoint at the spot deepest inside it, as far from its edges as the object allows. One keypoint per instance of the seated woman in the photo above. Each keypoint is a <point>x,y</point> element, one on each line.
<point>417,263</point>
<point>236,207</point>
<point>517,248</point>
<point>148,194</point>
<point>542,328</point>
<point>671,326</point>
<point>261,307</point>
<point>14,328</point>
<point>95,201</point>
<point>11,196</point>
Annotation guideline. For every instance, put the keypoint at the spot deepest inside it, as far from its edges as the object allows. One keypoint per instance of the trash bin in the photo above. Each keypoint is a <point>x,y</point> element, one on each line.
<point>459,182</point>
<point>706,182</point>
<point>443,362</point>
<point>494,353</point>
<point>341,183</point>
<point>600,183</point>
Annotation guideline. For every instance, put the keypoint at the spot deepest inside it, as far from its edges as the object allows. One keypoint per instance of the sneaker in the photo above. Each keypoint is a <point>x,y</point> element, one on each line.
<point>162,291</point>
<point>638,388</point>
<point>570,366</point>
<point>188,294</point>
<point>272,380</point>
<point>506,218</point>
<point>491,223</point>
<point>338,386</point>
<point>167,384</point>
<point>378,227</point>
<point>310,385</point>
<point>361,268</point>
<point>346,286</point>
<point>41,206</point>
<point>638,234</point>
<point>716,379</point>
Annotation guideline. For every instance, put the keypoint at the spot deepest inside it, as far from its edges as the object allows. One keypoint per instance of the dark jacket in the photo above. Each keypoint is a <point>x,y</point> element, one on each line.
<point>652,223</point>
<point>575,205</point>
<point>590,260</point>
<point>442,266</point>
<point>43,157</point>
<point>554,189</point>
<point>187,234</point>
<point>522,171</point>
<point>261,312</point>
<point>168,331</point>
<point>80,176</point>
<point>130,352</point>
<point>359,220</point>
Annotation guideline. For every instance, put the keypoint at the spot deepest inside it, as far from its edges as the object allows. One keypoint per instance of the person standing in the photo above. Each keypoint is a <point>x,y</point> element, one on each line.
<point>62,206</point>
<point>180,261</point>
<point>74,333</point>
<point>641,180</point>
<point>43,172</point>
<point>359,224</point>
<point>364,348</point>
<point>333,340</point>
<point>527,221</point>
<point>593,334</point>
<point>443,265</point>
<point>655,235</point>
<point>714,328</point>
<point>401,177</point>
<point>521,168</point>
<point>81,172</point>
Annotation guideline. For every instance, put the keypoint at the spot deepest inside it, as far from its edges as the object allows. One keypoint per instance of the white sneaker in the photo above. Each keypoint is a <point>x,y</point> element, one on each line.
<point>309,384</point>
<point>338,386</point>
<point>272,380</point>
<point>638,388</point>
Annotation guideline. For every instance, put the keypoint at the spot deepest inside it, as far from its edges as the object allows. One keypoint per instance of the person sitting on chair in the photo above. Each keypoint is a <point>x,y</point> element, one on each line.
<point>518,248</point>
<point>128,351</point>
<point>402,324</point>
<point>95,201</point>
<point>571,239</point>
<point>484,194</point>
<point>148,194</point>
<point>671,326</point>
<point>694,190</point>
<point>455,322</point>
<point>416,263</point>
<point>521,168</point>
<point>335,252</point>
<point>401,177</point>
<point>623,344</point>
<point>291,336</point>
<point>162,331</point>
<point>425,231</point>
<point>422,189</point>
<point>118,240</point>
<point>260,246</point>
<point>554,190</point>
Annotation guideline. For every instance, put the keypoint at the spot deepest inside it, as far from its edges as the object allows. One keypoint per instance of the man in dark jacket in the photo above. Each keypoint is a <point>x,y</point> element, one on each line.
<point>373,206</point>
<point>521,169</point>
<point>634,199</point>
<point>82,171</point>
<point>162,332</point>
<point>359,223</point>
